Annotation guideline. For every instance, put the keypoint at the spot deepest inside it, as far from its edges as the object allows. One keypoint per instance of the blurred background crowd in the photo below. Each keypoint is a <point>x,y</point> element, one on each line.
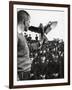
<point>47,60</point>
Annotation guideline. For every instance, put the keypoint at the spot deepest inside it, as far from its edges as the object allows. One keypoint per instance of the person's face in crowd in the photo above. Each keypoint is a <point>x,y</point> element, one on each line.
<point>48,49</point>
<point>44,51</point>
<point>41,51</point>
<point>36,55</point>
<point>47,60</point>
<point>43,59</point>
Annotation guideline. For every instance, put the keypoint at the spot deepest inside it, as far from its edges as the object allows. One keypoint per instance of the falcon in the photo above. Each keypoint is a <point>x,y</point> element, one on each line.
<point>43,30</point>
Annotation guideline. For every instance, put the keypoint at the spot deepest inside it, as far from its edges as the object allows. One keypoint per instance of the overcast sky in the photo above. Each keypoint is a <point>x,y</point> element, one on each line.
<point>44,16</point>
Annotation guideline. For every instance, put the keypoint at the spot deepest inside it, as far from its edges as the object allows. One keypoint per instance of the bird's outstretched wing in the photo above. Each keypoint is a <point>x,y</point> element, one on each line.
<point>50,26</point>
<point>46,29</point>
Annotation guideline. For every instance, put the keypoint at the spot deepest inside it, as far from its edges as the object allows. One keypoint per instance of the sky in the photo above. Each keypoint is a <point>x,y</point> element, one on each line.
<point>44,16</point>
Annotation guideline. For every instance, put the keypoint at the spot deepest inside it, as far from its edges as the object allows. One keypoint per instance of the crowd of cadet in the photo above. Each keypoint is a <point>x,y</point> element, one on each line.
<point>47,61</point>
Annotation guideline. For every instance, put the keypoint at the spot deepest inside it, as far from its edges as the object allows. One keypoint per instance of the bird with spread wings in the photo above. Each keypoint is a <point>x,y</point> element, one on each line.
<point>43,30</point>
